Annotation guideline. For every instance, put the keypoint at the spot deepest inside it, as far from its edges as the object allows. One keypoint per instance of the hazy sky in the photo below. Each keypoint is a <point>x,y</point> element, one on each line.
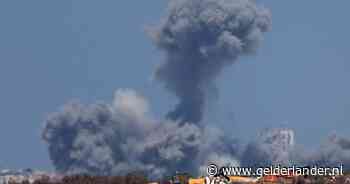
<point>52,52</point>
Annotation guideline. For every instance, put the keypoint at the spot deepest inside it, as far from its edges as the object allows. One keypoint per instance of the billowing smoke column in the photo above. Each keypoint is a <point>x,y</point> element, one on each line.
<point>117,138</point>
<point>200,38</point>
<point>107,139</point>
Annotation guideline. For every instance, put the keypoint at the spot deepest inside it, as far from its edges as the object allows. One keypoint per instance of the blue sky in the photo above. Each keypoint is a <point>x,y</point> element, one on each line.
<point>52,52</point>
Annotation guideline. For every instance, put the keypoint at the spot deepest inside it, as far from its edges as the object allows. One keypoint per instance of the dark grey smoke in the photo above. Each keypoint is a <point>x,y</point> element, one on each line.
<point>107,139</point>
<point>255,155</point>
<point>113,139</point>
<point>200,38</point>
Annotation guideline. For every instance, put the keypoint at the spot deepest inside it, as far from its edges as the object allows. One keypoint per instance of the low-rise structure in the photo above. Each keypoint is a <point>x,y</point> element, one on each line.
<point>18,176</point>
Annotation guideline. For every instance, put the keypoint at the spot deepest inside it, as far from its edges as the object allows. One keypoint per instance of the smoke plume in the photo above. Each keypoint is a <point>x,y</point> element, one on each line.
<point>279,149</point>
<point>273,146</point>
<point>113,139</point>
<point>107,139</point>
<point>200,38</point>
<point>333,152</point>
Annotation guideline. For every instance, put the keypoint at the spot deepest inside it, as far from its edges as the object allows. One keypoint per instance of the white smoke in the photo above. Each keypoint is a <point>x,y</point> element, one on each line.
<point>335,151</point>
<point>273,146</point>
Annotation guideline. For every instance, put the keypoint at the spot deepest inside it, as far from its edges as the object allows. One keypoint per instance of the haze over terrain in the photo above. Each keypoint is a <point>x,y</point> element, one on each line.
<point>53,52</point>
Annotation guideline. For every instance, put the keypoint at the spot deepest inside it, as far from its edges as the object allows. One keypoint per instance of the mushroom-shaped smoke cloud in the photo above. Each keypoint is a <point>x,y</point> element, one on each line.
<point>200,38</point>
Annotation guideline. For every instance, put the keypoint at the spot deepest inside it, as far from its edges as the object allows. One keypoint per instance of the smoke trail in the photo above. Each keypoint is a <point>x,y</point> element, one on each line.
<point>200,38</point>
